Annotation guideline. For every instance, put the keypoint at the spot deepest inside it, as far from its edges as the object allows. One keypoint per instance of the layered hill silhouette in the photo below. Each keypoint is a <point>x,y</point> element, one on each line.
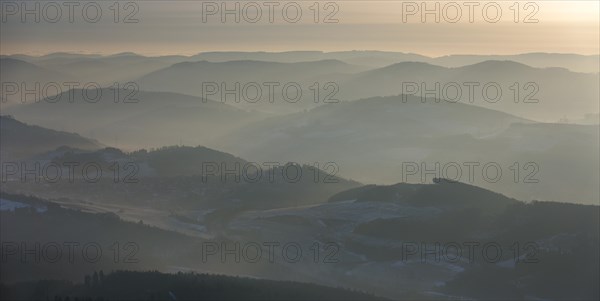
<point>21,140</point>
<point>368,226</point>
<point>539,86</point>
<point>370,139</point>
<point>130,118</point>
<point>291,90</point>
<point>574,62</point>
<point>18,75</point>
<point>542,94</point>
<point>104,70</point>
<point>189,177</point>
<point>376,227</point>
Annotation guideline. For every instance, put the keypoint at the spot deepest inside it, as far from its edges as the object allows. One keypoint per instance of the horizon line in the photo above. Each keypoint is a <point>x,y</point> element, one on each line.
<point>279,52</point>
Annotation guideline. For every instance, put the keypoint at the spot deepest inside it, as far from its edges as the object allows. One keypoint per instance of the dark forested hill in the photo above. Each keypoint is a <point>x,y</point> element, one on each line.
<point>126,285</point>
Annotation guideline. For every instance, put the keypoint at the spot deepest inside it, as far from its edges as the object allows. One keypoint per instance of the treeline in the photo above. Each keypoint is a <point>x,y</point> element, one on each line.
<point>129,285</point>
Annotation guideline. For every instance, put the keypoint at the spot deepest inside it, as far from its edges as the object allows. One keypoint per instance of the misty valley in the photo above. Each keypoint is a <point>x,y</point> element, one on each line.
<point>185,173</point>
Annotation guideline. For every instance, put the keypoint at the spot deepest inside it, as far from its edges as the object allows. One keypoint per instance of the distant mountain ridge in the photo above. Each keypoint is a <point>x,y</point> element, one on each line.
<point>534,93</point>
<point>374,59</point>
<point>528,82</point>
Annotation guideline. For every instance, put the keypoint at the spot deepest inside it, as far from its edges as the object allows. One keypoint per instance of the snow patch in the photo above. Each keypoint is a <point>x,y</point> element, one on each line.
<point>7,205</point>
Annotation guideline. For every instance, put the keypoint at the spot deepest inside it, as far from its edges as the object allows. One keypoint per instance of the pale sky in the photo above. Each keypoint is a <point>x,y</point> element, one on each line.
<point>177,27</point>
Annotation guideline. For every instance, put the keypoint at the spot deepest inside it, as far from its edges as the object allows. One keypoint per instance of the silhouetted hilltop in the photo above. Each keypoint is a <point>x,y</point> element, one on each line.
<point>442,193</point>
<point>20,140</point>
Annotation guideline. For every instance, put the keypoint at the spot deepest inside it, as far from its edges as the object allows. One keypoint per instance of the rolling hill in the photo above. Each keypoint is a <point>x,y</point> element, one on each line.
<point>542,94</point>
<point>133,119</point>
<point>21,140</point>
<point>371,139</point>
